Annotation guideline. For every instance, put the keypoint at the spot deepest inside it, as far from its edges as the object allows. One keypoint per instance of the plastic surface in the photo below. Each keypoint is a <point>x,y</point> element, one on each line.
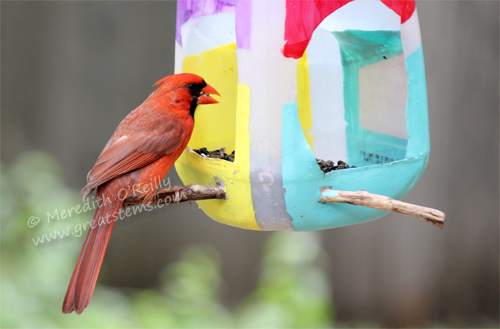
<point>335,80</point>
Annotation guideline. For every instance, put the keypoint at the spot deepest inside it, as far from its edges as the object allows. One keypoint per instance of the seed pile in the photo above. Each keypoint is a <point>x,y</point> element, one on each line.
<point>329,165</point>
<point>216,154</point>
<point>326,166</point>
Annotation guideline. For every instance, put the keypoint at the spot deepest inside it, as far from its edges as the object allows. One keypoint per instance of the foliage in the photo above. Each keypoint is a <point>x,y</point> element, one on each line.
<point>291,292</point>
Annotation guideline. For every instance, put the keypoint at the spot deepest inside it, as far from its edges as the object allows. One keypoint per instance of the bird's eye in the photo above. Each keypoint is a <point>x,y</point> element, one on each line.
<point>190,86</point>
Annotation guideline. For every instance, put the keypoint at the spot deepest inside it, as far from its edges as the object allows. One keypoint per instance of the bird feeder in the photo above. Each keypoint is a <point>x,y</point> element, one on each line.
<point>300,81</point>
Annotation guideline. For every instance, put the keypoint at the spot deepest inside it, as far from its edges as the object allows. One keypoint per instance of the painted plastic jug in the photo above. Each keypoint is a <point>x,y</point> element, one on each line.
<point>300,81</point>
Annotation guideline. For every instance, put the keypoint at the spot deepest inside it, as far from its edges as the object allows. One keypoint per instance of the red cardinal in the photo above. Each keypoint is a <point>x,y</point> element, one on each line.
<point>139,154</point>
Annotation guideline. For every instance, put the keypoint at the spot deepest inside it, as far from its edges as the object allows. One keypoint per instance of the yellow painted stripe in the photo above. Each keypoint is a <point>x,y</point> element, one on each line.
<point>225,125</point>
<point>215,123</point>
<point>304,99</point>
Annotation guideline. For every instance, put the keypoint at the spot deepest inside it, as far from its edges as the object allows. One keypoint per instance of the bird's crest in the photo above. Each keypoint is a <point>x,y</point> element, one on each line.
<point>161,81</point>
<point>181,79</point>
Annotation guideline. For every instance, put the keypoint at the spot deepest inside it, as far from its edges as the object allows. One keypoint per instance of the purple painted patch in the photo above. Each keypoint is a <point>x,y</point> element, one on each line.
<point>188,9</point>
<point>243,21</point>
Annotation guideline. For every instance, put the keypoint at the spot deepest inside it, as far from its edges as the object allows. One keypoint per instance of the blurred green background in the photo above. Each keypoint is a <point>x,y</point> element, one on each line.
<point>291,291</point>
<point>72,70</point>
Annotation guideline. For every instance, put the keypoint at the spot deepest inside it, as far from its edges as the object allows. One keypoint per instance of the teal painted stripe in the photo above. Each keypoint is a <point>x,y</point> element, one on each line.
<point>302,179</point>
<point>417,116</point>
<point>359,49</point>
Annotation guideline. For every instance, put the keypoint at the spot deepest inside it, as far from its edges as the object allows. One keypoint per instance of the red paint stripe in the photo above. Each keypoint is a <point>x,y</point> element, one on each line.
<point>403,8</point>
<point>302,18</point>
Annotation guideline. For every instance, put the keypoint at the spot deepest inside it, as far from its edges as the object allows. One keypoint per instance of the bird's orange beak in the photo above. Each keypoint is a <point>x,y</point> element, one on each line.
<point>205,98</point>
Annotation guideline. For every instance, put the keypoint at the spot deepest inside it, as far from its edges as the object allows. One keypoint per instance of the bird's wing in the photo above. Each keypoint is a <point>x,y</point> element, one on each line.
<point>131,152</point>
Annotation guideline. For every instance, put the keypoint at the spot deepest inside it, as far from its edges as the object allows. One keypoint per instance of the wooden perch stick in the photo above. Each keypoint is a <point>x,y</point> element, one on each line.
<point>192,192</point>
<point>365,199</point>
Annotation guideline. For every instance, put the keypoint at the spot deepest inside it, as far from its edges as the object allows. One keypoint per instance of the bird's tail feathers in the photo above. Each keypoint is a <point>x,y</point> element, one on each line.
<point>84,277</point>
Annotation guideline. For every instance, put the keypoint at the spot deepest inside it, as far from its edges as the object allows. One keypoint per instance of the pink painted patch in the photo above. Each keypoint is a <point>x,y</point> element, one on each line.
<point>302,18</point>
<point>403,8</point>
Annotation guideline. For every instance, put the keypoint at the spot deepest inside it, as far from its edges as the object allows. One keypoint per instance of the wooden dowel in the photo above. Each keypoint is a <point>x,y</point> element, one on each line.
<point>176,194</point>
<point>375,201</point>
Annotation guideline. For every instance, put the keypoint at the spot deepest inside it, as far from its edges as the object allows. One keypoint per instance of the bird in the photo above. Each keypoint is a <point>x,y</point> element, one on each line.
<point>138,155</point>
